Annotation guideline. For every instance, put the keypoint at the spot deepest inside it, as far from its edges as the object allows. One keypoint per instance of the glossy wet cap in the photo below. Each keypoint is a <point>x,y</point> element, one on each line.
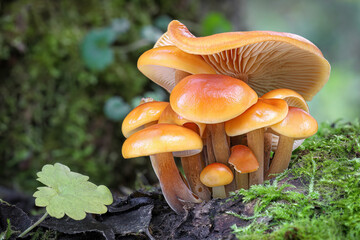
<point>161,138</point>
<point>216,174</point>
<point>148,112</point>
<point>211,98</point>
<point>292,98</point>
<point>298,124</point>
<point>162,64</point>
<point>243,159</point>
<point>264,113</point>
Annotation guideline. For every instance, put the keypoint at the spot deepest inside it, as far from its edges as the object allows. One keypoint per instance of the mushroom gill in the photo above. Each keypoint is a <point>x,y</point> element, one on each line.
<point>263,59</point>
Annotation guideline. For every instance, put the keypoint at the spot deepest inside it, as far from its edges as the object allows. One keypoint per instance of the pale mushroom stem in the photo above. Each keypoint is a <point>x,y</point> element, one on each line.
<point>218,192</point>
<point>267,150</point>
<point>220,145</point>
<point>256,144</point>
<point>174,189</point>
<point>192,167</point>
<point>282,156</point>
<point>210,157</point>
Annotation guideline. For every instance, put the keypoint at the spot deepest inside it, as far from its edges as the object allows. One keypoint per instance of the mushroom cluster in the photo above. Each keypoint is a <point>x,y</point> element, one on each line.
<point>234,98</point>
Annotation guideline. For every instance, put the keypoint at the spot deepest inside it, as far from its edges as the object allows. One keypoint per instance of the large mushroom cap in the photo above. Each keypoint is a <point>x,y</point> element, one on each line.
<point>161,138</point>
<point>211,98</point>
<point>147,112</point>
<point>162,65</point>
<point>292,98</point>
<point>298,124</point>
<point>264,113</point>
<point>265,60</point>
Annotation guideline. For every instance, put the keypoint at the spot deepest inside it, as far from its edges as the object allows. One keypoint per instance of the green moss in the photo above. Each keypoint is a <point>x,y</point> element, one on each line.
<point>323,200</point>
<point>51,104</point>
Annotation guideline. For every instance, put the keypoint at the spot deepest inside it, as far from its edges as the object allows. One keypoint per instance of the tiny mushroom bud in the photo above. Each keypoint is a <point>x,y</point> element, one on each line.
<point>298,124</point>
<point>244,161</point>
<point>216,175</point>
<point>161,140</point>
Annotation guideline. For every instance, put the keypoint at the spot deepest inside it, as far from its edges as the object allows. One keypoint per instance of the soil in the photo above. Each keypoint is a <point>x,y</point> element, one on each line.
<point>143,215</point>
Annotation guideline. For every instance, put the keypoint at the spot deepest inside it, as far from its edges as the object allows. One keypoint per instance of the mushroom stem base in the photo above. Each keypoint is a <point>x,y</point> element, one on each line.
<point>282,156</point>
<point>192,166</point>
<point>218,192</point>
<point>175,191</point>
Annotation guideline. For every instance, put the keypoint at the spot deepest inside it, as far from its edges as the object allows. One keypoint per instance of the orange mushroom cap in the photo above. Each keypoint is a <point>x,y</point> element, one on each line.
<point>144,113</point>
<point>171,117</point>
<point>160,65</point>
<point>161,138</point>
<point>164,40</point>
<point>292,98</point>
<point>265,60</point>
<point>243,159</point>
<point>298,124</point>
<point>216,174</point>
<point>264,113</point>
<point>211,98</point>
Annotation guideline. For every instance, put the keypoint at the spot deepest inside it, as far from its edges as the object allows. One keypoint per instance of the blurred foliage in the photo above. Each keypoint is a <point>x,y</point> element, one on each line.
<point>68,68</point>
<point>215,23</point>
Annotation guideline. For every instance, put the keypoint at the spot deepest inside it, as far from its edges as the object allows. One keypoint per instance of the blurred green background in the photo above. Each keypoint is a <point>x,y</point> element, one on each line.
<point>68,73</point>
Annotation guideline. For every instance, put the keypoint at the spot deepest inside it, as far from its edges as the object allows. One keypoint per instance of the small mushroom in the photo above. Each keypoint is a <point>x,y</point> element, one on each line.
<point>146,113</point>
<point>212,99</point>
<point>253,122</point>
<point>293,99</point>
<point>298,124</point>
<point>192,165</point>
<point>160,140</point>
<point>244,161</point>
<point>217,175</point>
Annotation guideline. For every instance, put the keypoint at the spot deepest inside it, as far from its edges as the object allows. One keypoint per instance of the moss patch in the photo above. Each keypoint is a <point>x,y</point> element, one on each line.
<point>317,198</point>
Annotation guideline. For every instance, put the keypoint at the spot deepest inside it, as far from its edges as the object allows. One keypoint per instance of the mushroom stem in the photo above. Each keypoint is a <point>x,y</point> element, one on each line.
<point>242,180</point>
<point>282,156</point>
<point>220,145</point>
<point>174,189</point>
<point>267,150</point>
<point>210,157</point>
<point>256,144</point>
<point>192,167</point>
<point>218,192</point>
